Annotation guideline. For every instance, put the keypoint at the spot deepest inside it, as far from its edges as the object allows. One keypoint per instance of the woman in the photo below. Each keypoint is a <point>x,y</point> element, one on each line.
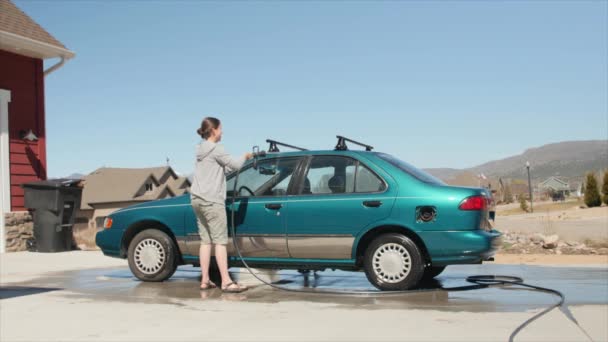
<point>208,197</point>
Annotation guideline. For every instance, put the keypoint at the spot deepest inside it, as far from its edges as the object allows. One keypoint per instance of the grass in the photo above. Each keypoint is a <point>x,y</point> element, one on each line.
<point>545,207</point>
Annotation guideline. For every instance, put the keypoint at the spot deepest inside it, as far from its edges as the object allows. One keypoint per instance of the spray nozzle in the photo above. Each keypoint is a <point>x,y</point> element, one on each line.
<point>256,154</point>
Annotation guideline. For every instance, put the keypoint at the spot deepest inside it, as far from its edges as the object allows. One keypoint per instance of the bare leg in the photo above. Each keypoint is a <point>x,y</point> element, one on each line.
<point>221,256</point>
<point>205,257</point>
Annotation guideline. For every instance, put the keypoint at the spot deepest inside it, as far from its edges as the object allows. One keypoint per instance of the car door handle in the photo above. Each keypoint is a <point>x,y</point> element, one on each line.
<point>274,206</point>
<point>372,204</point>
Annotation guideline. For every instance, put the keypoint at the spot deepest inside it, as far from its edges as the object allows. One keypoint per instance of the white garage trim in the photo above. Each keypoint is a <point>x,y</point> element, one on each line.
<point>5,183</point>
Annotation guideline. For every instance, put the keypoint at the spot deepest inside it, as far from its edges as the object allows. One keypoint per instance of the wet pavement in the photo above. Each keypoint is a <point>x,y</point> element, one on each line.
<point>580,285</point>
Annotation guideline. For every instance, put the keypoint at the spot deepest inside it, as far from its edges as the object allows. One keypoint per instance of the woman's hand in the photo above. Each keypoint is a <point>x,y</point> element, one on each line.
<point>248,155</point>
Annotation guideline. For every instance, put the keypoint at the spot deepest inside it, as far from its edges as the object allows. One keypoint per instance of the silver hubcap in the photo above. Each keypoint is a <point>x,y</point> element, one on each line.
<point>392,263</point>
<point>149,256</point>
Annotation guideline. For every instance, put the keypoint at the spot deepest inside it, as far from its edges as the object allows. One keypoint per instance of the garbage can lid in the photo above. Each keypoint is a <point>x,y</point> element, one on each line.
<point>53,184</point>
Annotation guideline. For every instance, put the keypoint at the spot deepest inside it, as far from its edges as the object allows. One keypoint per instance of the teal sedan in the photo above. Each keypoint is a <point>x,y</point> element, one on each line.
<point>312,210</point>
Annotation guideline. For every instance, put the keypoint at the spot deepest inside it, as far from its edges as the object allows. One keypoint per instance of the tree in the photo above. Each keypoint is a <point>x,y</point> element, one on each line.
<point>592,193</point>
<point>522,203</point>
<point>508,196</point>
<point>605,188</point>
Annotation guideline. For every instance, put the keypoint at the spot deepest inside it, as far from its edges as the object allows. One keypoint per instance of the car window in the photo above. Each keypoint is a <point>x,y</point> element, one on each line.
<point>270,178</point>
<point>410,169</point>
<point>329,175</point>
<point>367,181</point>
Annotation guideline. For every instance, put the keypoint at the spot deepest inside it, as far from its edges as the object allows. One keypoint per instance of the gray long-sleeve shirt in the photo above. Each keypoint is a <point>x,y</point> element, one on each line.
<point>212,165</point>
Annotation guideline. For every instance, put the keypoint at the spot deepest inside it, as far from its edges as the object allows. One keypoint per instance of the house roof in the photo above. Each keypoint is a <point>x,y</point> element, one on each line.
<point>106,185</point>
<point>159,192</point>
<point>555,184</point>
<point>159,172</point>
<point>20,34</point>
<point>179,182</point>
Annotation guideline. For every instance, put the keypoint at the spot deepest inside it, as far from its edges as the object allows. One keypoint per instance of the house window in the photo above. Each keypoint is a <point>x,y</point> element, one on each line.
<point>149,186</point>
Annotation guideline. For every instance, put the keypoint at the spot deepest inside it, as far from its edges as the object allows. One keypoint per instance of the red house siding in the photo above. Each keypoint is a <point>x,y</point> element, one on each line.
<point>23,77</point>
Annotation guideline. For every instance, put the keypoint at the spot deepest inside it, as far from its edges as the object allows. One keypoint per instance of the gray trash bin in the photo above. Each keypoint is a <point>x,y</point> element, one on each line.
<point>55,203</point>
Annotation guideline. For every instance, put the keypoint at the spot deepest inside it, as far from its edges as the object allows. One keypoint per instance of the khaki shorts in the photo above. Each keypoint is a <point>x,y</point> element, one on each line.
<point>211,220</point>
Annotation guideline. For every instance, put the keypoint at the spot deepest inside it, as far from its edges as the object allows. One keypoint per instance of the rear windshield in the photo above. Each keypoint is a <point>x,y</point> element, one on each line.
<point>410,169</point>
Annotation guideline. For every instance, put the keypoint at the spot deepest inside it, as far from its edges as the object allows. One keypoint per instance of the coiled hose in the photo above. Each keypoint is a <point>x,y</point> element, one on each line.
<point>480,281</point>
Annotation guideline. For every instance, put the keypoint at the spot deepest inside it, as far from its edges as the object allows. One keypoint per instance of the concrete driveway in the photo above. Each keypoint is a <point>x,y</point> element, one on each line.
<point>78,296</point>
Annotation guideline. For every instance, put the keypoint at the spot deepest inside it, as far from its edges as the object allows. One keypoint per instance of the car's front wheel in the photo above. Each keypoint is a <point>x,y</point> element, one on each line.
<point>152,256</point>
<point>393,262</point>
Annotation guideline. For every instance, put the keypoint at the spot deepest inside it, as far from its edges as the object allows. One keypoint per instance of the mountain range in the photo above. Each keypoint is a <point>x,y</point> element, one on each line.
<point>568,159</point>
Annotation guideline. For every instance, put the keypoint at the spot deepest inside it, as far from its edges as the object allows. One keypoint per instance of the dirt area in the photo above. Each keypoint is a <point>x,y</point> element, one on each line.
<point>554,228</point>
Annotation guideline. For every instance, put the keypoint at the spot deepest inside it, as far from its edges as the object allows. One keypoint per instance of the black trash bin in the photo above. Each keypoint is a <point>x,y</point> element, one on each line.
<point>55,203</point>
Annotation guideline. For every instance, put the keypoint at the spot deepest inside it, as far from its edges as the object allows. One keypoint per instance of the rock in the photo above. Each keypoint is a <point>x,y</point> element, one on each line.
<point>571,243</point>
<point>550,242</point>
<point>537,238</point>
<point>558,251</point>
<point>602,251</point>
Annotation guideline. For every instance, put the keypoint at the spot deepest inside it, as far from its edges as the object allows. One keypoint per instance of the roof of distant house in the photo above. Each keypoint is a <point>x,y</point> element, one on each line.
<point>109,185</point>
<point>555,183</point>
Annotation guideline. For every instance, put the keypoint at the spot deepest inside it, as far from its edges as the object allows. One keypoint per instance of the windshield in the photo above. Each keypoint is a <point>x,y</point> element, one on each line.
<point>410,169</point>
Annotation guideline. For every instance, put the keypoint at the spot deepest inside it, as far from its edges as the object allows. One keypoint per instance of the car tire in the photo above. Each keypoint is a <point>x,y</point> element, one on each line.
<point>393,262</point>
<point>152,256</point>
<point>431,272</point>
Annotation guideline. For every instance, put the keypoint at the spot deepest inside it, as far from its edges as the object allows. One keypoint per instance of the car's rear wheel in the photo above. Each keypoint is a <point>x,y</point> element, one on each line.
<point>152,256</point>
<point>393,262</point>
<point>431,272</point>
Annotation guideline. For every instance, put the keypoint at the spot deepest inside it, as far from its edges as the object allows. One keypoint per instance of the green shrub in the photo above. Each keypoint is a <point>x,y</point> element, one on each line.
<point>592,193</point>
<point>522,203</point>
<point>605,188</point>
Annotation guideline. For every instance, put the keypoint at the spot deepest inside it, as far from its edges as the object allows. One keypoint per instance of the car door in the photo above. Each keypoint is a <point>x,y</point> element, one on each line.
<point>259,209</point>
<point>337,197</point>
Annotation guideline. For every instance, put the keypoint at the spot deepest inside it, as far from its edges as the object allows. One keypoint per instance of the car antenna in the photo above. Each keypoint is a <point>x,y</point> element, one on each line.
<point>341,146</point>
<point>273,146</point>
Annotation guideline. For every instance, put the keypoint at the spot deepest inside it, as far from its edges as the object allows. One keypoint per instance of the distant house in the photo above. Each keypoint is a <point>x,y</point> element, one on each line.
<point>555,185</point>
<point>24,46</point>
<point>109,189</point>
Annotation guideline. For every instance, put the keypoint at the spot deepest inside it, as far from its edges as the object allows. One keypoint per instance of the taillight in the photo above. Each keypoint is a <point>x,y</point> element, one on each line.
<point>107,223</point>
<point>474,203</point>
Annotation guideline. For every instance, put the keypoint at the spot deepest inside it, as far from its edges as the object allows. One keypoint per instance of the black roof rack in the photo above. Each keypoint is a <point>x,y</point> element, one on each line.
<point>341,146</point>
<point>273,146</point>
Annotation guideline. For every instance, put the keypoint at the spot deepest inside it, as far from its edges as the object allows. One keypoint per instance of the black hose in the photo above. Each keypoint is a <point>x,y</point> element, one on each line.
<point>480,281</point>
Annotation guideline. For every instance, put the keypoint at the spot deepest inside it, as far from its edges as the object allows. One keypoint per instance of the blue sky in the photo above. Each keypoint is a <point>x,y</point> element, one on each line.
<point>438,84</point>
